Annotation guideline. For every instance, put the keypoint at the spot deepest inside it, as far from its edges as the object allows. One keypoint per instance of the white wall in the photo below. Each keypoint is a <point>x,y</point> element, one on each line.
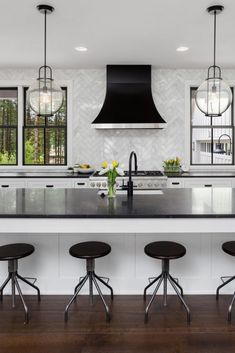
<point>152,146</point>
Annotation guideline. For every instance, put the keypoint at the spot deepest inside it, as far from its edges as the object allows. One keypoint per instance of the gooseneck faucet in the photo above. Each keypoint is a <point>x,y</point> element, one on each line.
<point>130,182</point>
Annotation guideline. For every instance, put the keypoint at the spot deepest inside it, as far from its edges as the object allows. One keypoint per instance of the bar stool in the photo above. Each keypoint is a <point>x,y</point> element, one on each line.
<point>165,251</point>
<point>12,253</point>
<point>89,251</point>
<point>229,248</point>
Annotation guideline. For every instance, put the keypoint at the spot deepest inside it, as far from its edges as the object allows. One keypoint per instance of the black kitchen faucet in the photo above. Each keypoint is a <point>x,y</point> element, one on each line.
<point>130,182</point>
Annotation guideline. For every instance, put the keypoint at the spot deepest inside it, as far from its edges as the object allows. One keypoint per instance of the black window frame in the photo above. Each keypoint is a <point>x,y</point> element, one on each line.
<point>15,127</point>
<point>44,127</point>
<point>211,127</point>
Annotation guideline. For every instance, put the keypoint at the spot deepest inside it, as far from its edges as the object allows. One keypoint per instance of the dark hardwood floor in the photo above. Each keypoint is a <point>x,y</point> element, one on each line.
<point>87,331</point>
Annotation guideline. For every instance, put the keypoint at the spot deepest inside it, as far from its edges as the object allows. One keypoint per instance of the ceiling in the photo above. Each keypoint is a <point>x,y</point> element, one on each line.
<point>116,32</point>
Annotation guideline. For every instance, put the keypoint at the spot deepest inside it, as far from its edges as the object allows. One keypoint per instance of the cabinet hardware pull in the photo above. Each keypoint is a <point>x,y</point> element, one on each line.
<point>175,183</point>
<point>5,186</point>
<point>208,185</point>
<point>80,183</point>
<point>49,186</point>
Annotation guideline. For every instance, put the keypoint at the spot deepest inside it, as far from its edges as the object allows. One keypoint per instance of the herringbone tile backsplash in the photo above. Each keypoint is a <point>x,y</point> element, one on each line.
<point>152,146</point>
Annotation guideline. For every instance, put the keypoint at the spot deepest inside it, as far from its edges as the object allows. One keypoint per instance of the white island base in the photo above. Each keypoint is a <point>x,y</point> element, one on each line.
<point>127,266</point>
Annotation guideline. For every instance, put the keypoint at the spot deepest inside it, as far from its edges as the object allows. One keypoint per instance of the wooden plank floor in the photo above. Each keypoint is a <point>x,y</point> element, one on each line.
<point>87,331</point>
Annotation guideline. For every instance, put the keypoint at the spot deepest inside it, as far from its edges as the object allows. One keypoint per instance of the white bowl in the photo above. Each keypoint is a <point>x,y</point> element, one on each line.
<point>84,170</point>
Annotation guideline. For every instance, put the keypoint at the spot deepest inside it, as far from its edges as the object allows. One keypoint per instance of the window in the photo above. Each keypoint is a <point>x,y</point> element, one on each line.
<point>25,138</point>
<point>8,126</point>
<point>45,137</point>
<point>212,138</point>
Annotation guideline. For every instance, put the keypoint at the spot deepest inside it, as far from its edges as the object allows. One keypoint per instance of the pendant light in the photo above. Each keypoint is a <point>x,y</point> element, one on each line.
<point>214,96</point>
<point>45,97</point>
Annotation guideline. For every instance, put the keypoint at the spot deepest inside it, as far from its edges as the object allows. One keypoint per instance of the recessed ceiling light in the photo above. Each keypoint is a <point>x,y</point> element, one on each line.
<point>182,48</point>
<point>81,48</point>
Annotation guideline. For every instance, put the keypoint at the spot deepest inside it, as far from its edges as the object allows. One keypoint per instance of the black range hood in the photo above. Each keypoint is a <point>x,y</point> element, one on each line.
<point>129,103</point>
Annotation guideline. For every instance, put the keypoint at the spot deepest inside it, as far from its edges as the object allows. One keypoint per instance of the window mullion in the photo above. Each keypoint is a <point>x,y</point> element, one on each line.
<point>20,126</point>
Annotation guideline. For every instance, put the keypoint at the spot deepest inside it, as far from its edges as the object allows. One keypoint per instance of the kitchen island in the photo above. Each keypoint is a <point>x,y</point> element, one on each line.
<point>54,219</point>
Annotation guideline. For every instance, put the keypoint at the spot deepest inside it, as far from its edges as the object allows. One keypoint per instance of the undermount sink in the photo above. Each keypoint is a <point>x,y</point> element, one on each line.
<point>136,192</point>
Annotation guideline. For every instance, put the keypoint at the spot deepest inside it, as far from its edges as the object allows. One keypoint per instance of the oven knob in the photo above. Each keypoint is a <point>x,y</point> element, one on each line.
<point>98,185</point>
<point>150,185</point>
<point>104,184</point>
<point>92,184</point>
<point>156,185</point>
<point>140,185</point>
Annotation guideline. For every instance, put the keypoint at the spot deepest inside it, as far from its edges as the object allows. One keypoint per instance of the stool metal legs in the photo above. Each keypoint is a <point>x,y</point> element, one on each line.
<point>91,277</point>
<point>230,279</point>
<point>13,276</point>
<point>164,277</point>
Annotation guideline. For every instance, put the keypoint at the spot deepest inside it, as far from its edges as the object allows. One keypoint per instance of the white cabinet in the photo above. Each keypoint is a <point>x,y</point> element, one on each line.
<point>207,182</point>
<point>12,183</point>
<point>49,183</point>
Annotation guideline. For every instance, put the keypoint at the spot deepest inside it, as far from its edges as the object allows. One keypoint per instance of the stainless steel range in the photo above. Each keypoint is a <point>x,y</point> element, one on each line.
<point>142,179</point>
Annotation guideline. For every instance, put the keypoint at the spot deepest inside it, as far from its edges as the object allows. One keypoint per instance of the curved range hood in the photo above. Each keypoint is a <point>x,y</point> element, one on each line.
<point>129,103</point>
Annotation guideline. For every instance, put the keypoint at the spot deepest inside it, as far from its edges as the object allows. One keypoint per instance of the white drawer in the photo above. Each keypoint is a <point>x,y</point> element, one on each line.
<point>12,183</point>
<point>81,183</point>
<point>209,182</point>
<point>175,183</point>
<point>49,183</point>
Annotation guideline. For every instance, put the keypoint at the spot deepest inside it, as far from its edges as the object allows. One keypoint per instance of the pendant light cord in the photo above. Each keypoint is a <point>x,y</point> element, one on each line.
<point>45,43</point>
<point>214,39</point>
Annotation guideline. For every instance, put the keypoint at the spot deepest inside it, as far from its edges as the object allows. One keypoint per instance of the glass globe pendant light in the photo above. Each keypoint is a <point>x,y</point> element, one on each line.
<point>214,96</point>
<point>45,97</point>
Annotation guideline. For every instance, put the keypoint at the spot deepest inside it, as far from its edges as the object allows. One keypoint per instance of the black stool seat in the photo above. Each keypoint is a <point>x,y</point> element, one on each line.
<point>165,250</point>
<point>229,247</point>
<point>90,250</point>
<point>15,251</point>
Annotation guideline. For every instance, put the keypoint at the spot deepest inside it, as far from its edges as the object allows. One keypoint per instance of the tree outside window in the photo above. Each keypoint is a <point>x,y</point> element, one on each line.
<point>8,125</point>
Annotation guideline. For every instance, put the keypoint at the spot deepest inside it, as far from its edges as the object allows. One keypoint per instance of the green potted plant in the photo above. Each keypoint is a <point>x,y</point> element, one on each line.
<point>172,165</point>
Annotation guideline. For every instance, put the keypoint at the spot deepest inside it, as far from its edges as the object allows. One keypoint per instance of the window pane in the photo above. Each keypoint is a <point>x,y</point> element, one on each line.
<point>198,118</point>
<point>224,119</point>
<point>31,118</point>
<point>8,138</point>
<point>34,146</point>
<point>8,106</point>
<point>8,124</point>
<point>60,118</point>
<point>222,146</point>
<point>55,146</point>
<point>201,146</point>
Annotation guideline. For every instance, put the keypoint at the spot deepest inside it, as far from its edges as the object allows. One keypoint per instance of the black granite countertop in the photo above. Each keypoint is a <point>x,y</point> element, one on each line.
<point>208,174</point>
<point>43,175</point>
<point>81,175</point>
<point>81,203</point>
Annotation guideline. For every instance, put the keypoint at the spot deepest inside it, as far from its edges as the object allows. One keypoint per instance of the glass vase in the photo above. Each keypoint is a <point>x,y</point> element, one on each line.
<point>111,188</point>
